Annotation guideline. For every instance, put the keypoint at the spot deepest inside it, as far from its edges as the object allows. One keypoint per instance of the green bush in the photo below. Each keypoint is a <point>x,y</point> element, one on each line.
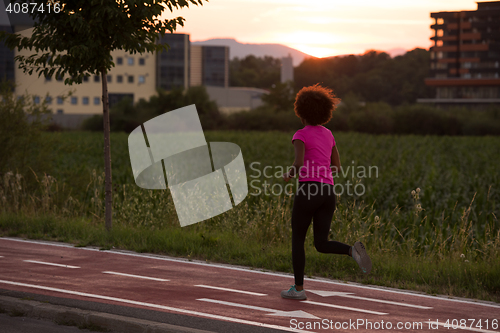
<point>125,117</point>
<point>422,119</point>
<point>262,119</point>
<point>350,116</point>
<point>21,123</point>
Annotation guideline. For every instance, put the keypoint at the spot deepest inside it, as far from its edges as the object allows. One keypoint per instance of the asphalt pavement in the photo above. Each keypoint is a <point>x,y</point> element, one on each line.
<point>130,292</point>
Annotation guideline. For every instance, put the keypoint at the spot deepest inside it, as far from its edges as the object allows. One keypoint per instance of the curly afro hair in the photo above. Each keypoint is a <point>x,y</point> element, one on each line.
<point>315,104</point>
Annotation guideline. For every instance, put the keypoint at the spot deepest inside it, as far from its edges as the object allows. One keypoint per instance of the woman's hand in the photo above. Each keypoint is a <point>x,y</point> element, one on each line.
<point>286,176</point>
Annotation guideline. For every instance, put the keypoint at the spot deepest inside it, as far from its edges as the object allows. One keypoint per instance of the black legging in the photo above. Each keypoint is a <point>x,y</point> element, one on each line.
<point>316,201</point>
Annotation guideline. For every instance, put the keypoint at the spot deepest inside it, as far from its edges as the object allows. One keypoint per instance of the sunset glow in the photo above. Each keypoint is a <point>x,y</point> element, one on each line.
<point>314,51</point>
<point>322,28</point>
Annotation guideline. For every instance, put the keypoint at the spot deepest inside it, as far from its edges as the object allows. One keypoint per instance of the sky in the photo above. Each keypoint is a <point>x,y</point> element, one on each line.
<point>319,27</point>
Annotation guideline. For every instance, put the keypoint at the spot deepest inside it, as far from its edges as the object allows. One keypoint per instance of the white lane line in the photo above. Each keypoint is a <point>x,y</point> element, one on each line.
<point>50,264</point>
<point>248,270</point>
<point>238,305</point>
<point>472,329</point>
<point>136,276</point>
<point>274,312</point>
<point>232,290</point>
<point>325,293</point>
<point>387,302</point>
<point>1,256</point>
<point>156,306</point>
<point>344,308</point>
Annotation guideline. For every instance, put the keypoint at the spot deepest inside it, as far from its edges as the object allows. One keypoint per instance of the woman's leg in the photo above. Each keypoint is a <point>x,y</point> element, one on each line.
<point>304,206</point>
<point>322,220</point>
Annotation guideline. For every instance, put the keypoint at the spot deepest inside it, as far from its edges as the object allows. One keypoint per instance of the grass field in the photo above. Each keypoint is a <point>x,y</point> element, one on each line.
<point>444,238</point>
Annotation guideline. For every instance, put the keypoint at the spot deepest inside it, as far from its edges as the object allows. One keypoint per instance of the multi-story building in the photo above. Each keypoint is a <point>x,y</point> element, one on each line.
<point>215,65</point>
<point>465,57</point>
<point>134,76</point>
<point>172,69</point>
<point>210,65</point>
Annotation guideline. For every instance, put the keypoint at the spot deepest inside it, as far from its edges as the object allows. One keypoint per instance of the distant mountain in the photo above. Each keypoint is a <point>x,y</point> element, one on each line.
<point>241,50</point>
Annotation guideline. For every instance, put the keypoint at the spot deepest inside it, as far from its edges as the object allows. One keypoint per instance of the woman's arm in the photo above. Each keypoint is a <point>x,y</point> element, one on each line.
<point>300,150</point>
<point>335,160</point>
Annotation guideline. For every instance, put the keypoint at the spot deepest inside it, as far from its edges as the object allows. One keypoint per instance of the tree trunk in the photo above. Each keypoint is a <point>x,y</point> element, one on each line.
<point>107,152</point>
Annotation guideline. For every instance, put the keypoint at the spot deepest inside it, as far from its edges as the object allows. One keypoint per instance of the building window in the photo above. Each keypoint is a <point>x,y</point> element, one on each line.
<point>142,61</point>
<point>74,100</point>
<point>109,78</point>
<point>85,101</point>
<point>36,100</point>
<point>119,78</point>
<point>86,78</point>
<point>130,61</point>
<point>48,79</point>
<point>119,61</point>
<point>142,79</point>
<point>130,79</point>
<point>48,100</point>
<point>60,100</point>
<point>96,78</point>
<point>59,78</point>
<point>97,100</point>
<point>60,111</point>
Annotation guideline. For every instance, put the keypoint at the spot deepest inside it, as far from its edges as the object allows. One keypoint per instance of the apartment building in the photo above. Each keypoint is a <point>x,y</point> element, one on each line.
<point>465,57</point>
<point>134,76</point>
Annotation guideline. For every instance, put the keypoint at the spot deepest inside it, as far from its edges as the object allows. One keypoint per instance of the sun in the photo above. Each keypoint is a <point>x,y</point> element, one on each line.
<point>316,44</point>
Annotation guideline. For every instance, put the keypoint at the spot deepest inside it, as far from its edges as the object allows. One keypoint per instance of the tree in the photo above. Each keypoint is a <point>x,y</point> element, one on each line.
<point>77,37</point>
<point>253,71</point>
<point>281,97</point>
<point>373,76</point>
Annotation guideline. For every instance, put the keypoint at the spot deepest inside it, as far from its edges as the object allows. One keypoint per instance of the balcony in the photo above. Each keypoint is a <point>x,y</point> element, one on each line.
<point>461,82</point>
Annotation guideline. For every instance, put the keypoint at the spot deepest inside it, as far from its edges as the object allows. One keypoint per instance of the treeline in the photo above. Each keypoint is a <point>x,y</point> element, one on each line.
<point>255,72</point>
<point>379,118</point>
<point>351,115</point>
<point>372,77</point>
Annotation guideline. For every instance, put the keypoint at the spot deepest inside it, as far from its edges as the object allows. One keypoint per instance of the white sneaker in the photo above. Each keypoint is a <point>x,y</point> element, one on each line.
<point>359,254</point>
<point>292,293</point>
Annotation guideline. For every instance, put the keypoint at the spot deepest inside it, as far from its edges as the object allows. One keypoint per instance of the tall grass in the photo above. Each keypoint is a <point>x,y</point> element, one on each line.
<point>432,209</point>
<point>266,219</point>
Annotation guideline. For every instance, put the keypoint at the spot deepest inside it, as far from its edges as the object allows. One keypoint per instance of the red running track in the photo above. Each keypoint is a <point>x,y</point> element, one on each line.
<point>229,293</point>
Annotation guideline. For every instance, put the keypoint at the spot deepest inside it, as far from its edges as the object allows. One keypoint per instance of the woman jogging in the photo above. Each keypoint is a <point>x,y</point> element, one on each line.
<point>316,157</point>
